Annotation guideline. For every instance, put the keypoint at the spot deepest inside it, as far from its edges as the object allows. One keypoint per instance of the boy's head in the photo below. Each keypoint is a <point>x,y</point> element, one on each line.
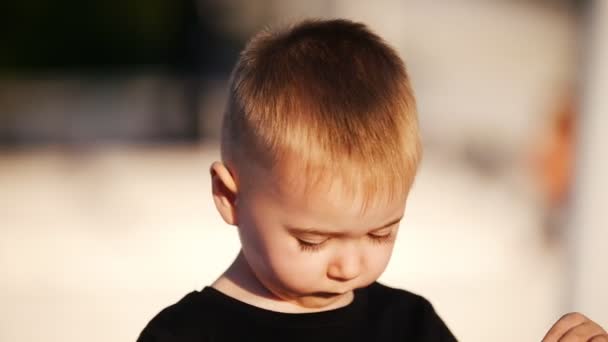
<point>320,147</point>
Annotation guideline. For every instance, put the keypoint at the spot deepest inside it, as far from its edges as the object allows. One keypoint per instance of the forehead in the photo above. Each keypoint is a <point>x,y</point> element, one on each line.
<point>331,200</point>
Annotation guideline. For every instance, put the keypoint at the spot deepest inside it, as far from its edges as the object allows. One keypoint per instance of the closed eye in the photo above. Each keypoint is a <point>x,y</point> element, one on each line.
<point>310,246</point>
<point>382,238</point>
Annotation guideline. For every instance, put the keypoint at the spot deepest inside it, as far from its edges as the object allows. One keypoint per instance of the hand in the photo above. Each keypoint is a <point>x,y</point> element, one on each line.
<point>575,327</point>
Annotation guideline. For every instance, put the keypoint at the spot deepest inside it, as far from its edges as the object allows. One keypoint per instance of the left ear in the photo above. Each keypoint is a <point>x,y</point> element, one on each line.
<point>224,192</point>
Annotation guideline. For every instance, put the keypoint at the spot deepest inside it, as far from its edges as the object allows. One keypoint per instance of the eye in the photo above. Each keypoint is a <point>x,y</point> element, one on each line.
<point>382,238</point>
<point>310,246</point>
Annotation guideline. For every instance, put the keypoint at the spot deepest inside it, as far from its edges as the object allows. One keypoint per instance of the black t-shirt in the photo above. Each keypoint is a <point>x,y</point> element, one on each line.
<point>377,313</point>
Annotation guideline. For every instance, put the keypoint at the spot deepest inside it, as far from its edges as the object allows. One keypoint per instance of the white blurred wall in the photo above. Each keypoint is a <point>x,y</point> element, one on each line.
<point>588,229</point>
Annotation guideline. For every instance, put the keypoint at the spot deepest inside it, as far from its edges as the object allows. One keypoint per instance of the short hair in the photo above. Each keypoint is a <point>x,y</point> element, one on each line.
<point>329,96</point>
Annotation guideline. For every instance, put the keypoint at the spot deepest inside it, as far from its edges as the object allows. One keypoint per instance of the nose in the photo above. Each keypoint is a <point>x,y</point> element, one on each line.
<point>345,266</point>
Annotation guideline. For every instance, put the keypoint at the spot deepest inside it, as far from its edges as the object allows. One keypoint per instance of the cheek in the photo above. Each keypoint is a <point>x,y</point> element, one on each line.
<point>296,268</point>
<point>278,257</point>
<point>377,260</point>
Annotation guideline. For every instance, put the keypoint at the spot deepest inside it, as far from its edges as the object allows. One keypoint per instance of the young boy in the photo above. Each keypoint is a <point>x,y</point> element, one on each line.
<point>319,148</point>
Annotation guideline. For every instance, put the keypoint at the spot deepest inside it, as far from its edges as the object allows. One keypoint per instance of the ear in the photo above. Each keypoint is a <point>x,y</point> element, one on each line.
<point>224,192</point>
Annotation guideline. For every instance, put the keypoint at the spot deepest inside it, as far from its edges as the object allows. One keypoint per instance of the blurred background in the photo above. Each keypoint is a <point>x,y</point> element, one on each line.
<point>109,120</point>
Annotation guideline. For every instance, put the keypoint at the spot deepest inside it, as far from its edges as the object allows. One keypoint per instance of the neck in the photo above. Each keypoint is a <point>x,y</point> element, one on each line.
<point>240,282</point>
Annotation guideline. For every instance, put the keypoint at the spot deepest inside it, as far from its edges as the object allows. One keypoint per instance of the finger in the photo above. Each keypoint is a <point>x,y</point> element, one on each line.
<point>582,332</point>
<point>565,323</point>
<point>599,338</point>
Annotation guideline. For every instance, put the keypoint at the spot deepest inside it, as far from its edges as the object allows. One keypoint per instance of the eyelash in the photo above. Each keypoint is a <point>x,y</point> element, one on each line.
<point>310,247</point>
<point>314,247</point>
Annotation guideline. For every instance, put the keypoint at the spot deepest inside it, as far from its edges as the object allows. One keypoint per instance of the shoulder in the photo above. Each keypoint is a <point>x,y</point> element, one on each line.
<point>174,321</point>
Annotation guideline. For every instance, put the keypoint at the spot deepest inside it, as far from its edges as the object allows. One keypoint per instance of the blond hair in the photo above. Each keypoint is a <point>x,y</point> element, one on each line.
<point>330,97</point>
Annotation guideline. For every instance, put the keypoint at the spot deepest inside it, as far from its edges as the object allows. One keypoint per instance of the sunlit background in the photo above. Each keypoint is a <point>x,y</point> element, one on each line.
<point>109,120</point>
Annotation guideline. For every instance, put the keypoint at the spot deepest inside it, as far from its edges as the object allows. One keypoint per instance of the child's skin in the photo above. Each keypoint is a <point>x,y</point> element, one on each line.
<point>283,268</point>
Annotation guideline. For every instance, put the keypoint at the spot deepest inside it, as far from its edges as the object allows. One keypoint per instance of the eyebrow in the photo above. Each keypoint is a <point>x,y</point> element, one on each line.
<point>315,231</point>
